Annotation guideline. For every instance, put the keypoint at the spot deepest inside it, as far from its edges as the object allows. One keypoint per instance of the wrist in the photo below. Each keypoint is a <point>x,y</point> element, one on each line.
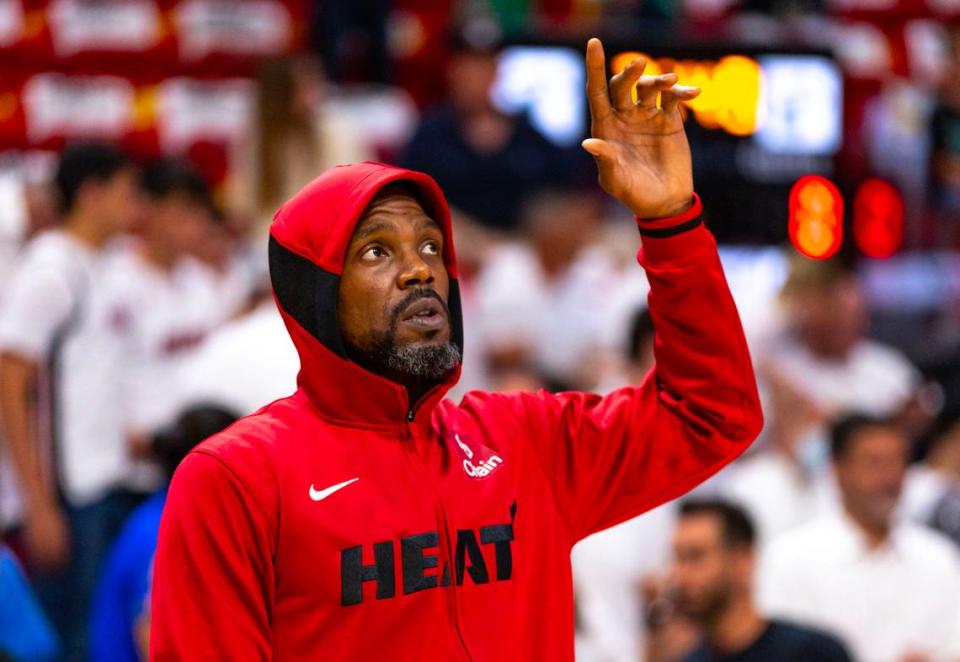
<point>668,226</point>
<point>667,210</point>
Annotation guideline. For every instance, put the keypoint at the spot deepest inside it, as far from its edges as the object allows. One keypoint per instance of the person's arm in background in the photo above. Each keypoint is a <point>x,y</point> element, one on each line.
<point>36,304</point>
<point>18,379</point>
<point>610,458</point>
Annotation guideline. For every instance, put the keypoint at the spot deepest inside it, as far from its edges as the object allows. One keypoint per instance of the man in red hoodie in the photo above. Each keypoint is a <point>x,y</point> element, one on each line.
<point>366,518</point>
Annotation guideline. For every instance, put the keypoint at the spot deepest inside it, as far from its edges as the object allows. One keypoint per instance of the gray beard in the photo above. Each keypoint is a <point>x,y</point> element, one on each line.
<point>415,360</point>
<point>431,362</point>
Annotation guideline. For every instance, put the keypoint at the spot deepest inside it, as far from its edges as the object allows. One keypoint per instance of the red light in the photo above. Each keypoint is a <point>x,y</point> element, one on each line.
<point>878,219</point>
<point>816,217</point>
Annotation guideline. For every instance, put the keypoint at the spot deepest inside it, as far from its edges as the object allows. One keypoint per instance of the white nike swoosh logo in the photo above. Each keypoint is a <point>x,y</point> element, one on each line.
<point>320,495</point>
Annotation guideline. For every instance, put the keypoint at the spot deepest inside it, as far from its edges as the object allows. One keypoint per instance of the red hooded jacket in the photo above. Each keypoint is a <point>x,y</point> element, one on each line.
<point>346,523</point>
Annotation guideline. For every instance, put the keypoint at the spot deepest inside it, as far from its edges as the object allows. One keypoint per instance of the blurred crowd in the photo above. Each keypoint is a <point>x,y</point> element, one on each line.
<point>136,319</point>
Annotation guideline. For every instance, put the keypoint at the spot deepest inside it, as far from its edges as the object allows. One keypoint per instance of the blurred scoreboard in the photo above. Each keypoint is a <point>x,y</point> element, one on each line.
<point>763,119</point>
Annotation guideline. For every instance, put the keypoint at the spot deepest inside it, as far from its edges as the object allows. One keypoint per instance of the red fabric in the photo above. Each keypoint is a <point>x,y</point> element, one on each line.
<point>317,223</point>
<point>470,510</point>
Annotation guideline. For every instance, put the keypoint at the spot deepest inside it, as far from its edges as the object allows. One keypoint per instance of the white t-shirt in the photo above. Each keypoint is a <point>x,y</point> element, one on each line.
<point>231,288</point>
<point>563,321</point>
<point>777,493</point>
<point>873,379</point>
<point>884,603</point>
<point>165,314</point>
<point>244,365</point>
<point>53,311</point>
<point>13,223</point>
<point>608,568</point>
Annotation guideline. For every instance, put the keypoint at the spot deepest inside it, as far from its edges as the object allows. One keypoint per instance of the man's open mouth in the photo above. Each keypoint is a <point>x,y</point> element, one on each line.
<point>427,313</point>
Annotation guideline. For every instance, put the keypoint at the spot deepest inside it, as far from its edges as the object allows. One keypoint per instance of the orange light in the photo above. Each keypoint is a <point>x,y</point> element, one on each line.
<point>816,217</point>
<point>878,219</point>
<point>620,61</point>
<point>730,88</point>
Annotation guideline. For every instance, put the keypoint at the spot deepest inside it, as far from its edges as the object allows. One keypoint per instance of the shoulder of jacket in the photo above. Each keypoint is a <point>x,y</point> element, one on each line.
<point>488,406</point>
<point>522,406</point>
<point>255,434</point>
<point>251,448</point>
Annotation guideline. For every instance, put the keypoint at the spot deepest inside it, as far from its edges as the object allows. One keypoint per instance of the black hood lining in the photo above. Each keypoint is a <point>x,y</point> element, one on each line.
<point>308,294</point>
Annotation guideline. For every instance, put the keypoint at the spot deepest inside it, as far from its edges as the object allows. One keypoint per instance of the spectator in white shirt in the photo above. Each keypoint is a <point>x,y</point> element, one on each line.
<point>784,483</point>
<point>245,364</point>
<point>559,273</point>
<point>824,354</point>
<point>164,301</point>
<point>608,567</point>
<point>820,365</point>
<point>891,589</point>
<point>231,263</point>
<point>938,474</point>
<point>60,376</point>
<point>26,207</point>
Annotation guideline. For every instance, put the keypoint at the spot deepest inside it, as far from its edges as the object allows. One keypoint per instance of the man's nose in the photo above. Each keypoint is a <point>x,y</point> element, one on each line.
<point>415,272</point>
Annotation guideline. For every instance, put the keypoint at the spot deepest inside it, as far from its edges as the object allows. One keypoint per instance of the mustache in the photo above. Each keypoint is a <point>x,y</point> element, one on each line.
<point>416,295</point>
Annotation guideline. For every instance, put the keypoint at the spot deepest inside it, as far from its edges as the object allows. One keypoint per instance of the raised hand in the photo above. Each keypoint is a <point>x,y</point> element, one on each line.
<point>640,147</point>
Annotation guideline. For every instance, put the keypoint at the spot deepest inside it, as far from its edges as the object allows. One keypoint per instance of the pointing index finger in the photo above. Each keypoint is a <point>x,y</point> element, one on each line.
<point>598,95</point>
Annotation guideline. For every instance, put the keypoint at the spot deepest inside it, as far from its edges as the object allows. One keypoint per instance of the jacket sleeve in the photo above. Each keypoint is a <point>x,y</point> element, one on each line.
<point>213,574</point>
<point>607,459</point>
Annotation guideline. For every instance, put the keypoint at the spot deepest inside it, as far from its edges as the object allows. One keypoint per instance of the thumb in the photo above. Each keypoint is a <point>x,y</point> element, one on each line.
<point>599,149</point>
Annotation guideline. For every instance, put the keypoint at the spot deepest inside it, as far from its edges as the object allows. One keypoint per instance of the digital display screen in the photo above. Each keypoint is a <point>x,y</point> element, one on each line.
<point>547,83</point>
<point>801,105</point>
<point>764,119</point>
<point>789,103</point>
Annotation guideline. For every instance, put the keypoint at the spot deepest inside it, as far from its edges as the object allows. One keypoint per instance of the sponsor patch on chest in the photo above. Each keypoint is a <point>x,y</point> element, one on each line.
<point>478,461</point>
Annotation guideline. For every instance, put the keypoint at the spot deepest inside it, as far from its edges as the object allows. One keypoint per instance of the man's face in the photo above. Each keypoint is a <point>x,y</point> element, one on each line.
<point>558,234</point>
<point>392,304</point>
<point>704,567</point>
<point>117,202</point>
<point>833,319</point>
<point>180,221</point>
<point>216,247</point>
<point>470,77</point>
<point>870,473</point>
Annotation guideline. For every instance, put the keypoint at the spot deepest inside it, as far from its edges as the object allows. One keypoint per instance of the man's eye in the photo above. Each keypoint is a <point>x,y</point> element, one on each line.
<point>373,253</point>
<point>432,248</point>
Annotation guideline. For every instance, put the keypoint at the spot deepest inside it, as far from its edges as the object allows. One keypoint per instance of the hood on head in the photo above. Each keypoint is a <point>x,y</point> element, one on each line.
<point>308,242</point>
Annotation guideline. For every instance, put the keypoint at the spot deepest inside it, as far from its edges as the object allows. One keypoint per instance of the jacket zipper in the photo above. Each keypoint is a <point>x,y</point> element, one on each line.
<point>451,563</point>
